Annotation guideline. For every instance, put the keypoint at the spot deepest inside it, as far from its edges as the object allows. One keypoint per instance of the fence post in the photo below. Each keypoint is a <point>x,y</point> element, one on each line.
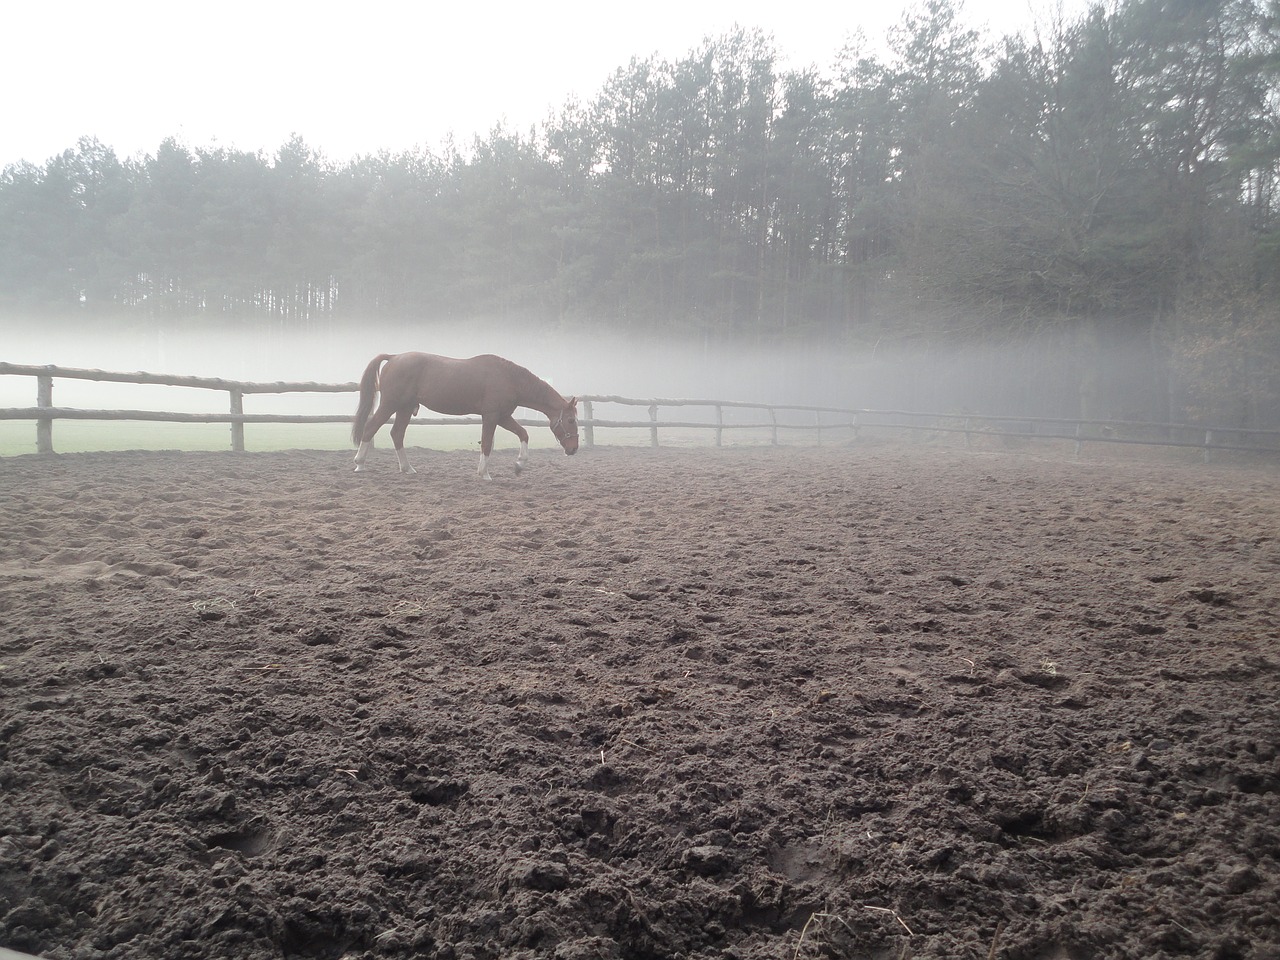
<point>237,428</point>
<point>44,426</point>
<point>1208,446</point>
<point>817,424</point>
<point>588,430</point>
<point>773,416</point>
<point>719,425</point>
<point>653,430</point>
<point>1079,440</point>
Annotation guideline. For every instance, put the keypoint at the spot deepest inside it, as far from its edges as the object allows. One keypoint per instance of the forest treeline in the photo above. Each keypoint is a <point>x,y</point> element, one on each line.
<point>1110,180</point>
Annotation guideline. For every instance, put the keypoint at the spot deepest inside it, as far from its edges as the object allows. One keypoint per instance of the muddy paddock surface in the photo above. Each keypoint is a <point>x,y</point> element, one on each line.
<point>868,701</point>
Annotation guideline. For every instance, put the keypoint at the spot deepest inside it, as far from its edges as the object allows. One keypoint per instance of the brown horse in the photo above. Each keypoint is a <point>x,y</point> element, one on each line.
<point>486,385</point>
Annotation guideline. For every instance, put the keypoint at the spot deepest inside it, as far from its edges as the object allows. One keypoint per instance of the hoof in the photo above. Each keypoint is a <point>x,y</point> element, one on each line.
<point>519,466</point>
<point>361,468</point>
<point>408,470</point>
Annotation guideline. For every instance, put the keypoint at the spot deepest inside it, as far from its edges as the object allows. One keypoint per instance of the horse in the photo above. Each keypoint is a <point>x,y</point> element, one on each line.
<point>486,385</point>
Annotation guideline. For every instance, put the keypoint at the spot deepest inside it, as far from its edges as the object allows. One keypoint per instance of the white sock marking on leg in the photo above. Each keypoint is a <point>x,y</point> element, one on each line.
<point>404,461</point>
<point>362,452</point>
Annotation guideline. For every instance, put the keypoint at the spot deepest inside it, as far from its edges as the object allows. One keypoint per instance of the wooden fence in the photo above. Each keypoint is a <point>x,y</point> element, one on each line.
<point>767,419</point>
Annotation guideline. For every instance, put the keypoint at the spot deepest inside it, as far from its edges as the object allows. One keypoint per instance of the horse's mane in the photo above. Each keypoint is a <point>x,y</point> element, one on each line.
<point>530,381</point>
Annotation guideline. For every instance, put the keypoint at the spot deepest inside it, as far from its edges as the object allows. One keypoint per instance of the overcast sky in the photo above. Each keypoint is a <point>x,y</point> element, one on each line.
<point>360,77</point>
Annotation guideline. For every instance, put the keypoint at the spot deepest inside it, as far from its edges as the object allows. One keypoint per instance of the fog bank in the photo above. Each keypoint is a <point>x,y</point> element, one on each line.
<point>1034,378</point>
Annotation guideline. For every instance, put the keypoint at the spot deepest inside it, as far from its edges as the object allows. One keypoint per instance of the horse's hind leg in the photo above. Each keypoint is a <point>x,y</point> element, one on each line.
<point>397,437</point>
<point>509,423</point>
<point>486,447</point>
<point>380,416</point>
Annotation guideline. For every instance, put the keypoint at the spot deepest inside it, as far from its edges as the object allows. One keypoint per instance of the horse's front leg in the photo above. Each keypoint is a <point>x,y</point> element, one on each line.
<point>509,423</point>
<point>486,447</point>
<point>397,437</point>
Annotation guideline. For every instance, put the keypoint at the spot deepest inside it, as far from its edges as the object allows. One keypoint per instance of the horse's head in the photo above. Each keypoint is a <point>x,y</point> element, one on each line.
<point>565,426</point>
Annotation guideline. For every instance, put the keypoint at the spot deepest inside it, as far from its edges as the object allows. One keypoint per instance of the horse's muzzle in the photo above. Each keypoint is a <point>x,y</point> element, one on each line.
<point>570,445</point>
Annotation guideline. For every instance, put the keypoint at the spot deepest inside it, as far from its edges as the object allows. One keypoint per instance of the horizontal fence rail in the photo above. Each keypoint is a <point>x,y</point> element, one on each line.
<point>773,418</point>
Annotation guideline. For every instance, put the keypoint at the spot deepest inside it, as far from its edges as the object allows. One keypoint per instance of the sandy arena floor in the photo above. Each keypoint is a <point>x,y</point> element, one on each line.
<point>868,701</point>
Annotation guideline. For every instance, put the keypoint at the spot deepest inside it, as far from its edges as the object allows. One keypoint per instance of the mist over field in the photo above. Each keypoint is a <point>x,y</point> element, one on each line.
<point>1032,378</point>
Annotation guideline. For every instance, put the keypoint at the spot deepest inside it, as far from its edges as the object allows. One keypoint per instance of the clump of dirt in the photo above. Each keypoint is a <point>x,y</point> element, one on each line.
<point>869,700</point>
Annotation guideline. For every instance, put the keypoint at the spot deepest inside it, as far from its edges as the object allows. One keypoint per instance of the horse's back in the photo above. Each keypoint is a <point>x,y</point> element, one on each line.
<point>483,364</point>
<point>453,385</point>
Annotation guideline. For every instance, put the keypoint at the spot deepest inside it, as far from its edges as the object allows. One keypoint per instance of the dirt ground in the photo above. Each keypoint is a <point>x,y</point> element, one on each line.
<point>870,700</point>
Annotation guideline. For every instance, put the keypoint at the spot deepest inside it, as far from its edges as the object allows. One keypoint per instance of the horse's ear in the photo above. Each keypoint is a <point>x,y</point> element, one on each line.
<point>573,401</point>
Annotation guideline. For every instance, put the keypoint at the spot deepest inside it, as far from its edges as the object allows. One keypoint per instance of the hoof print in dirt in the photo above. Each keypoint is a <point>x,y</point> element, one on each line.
<point>437,792</point>
<point>1211,597</point>
<point>247,843</point>
<point>316,637</point>
<point>604,776</point>
<point>1042,678</point>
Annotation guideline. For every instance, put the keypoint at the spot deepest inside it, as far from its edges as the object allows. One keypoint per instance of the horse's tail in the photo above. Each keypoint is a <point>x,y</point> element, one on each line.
<point>368,391</point>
